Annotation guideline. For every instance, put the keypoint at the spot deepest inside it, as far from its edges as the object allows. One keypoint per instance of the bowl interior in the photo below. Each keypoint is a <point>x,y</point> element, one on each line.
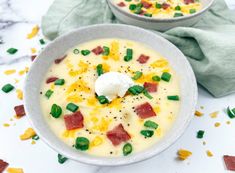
<point>62,44</point>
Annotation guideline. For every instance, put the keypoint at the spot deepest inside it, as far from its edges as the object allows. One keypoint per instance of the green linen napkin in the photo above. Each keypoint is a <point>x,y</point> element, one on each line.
<point>209,45</point>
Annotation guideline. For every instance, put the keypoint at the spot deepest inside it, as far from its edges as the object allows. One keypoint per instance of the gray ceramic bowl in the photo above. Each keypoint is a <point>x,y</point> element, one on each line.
<point>60,45</point>
<point>159,24</point>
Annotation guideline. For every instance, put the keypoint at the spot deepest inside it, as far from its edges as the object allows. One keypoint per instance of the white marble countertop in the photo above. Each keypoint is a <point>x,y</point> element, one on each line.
<point>16,20</point>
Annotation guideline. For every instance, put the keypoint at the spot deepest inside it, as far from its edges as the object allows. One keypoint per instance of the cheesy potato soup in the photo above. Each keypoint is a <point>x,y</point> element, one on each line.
<point>160,8</point>
<point>110,97</point>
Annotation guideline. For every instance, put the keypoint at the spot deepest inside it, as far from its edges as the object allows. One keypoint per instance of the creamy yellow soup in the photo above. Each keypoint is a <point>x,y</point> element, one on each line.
<point>74,79</point>
<point>160,8</point>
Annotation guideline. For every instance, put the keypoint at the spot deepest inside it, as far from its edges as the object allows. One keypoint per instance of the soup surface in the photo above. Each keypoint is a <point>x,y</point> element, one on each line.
<point>110,97</point>
<point>160,8</point>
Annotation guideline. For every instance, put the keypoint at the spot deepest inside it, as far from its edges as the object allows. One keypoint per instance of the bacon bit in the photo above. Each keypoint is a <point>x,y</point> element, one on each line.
<point>217,124</point>
<point>28,134</point>
<point>209,153</point>
<point>229,162</point>
<point>74,120</point>
<point>150,86</point>
<point>121,4</point>
<point>165,6</point>
<point>57,61</point>
<point>9,72</point>
<point>188,1</point>
<point>146,4</point>
<point>33,50</point>
<point>15,170</point>
<point>143,59</point>
<point>19,93</point>
<point>3,165</point>
<point>6,125</point>
<point>19,110</point>
<point>33,32</point>
<point>198,114</point>
<point>118,135</point>
<point>33,57</point>
<point>51,79</point>
<point>145,110</point>
<point>214,114</point>
<point>183,154</point>
<point>98,50</point>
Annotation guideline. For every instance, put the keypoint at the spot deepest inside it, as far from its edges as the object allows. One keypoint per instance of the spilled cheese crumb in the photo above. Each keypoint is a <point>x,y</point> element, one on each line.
<point>9,72</point>
<point>19,93</point>
<point>33,50</point>
<point>214,114</point>
<point>183,154</point>
<point>33,142</point>
<point>33,32</point>
<point>198,113</point>
<point>6,125</point>
<point>22,72</point>
<point>15,170</point>
<point>28,134</point>
<point>217,124</point>
<point>209,153</point>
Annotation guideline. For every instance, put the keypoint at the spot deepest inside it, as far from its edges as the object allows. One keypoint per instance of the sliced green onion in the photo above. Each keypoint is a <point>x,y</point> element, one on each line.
<point>85,52</point>
<point>156,78</point>
<point>174,97</point>
<point>138,8</point>
<point>49,93</point>
<point>178,14</point>
<point>99,69</point>
<point>178,8</point>
<point>35,137</point>
<point>7,88</point>
<point>128,0</point>
<point>102,99</point>
<point>136,89</point>
<point>146,93</point>
<point>129,54</point>
<point>127,149</point>
<point>59,82</point>
<point>72,107</point>
<point>200,134</point>
<point>137,75</point>
<point>158,5</point>
<point>231,113</point>
<point>61,158</point>
<point>151,124</point>
<point>148,15</point>
<point>82,143</point>
<point>75,51</point>
<point>193,10</point>
<point>12,50</point>
<point>56,111</point>
<point>166,76</point>
<point>147,133</point>
<point>132,6</point>
<point>41,41</point>
<point>106,50</point>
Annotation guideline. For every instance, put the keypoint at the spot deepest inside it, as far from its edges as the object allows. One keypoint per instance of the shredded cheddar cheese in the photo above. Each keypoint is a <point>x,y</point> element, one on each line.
<point>33,32</point>
<point>183,154</point>
<point>96,141</point>
<point>198,113</point>
<point>15,170</point>
<point>19,93</point>
<point>28,134</point>
<point>209,153</point>
<point>9,72</point>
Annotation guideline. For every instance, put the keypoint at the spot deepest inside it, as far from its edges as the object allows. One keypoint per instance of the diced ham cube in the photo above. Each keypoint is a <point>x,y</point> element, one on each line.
<point>145,110</point>
<point>143,59</point>
<point>146,4</point>
<point>19,110</point>
<point>118,135</point>
<point>3,165</point>
<point>150,86</point>
<point>229,162</point>
<point>98,50</point>
<point>57,61</point>
<point>121,4</point>
<point>74,120</point>
<point>51,79</point>
<point>33,57</point>
<point>188,1</point>
<point>165,6</point>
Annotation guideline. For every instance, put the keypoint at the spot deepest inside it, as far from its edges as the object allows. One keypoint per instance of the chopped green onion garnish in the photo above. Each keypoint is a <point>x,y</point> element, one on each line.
<point>12,50</point>
<point>136,89</point>
<point>138,8</point>
<point>106,50</point>
<point>166,76</point>
<point>41,41</point>
<point>82,143</point>
<point>85,52</point>
<point>178,14</point>
<point>129,53</point>
<point>132,6</point>
<point>175,97</point>
<point>75,51</point>
<point>156,78</point>
<point>158,5</point>
<point>56,111</point>
<point>7,88</point>
<point>99,69</point>
<point>49,93</point>
<point>128,0</point>
<point>178,8</point>
<point>146,93</point>
<point>191,11</point>
<point>147,133</point>
<point>61,158</point>
<point>231,113</point>
<point>127,149</point>
<point>59,82</point>
<point>72,107</point>
<point>151,124</point>
<point>137,75</point>
<point>35,137</point>
<point>148,15</point>
<point>200,134</point>
<point>102,99</point>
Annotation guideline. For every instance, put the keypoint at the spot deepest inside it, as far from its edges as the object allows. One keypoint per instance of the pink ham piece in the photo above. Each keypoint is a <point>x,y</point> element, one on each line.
<point>229,162</point>
<point>150,86</point>
<point>74,120</point>
<point>118,135</point>
<point>19,110</point>
<point>143,59</point>
<point>121,4</point>
<point>165,6</point>
<point>51,79</point>
<point>57,61</point>
<point>3,165</point>
<point>188,1</point>
<point>146,4</point>
<point>98,50</point>
<point>145,110</point>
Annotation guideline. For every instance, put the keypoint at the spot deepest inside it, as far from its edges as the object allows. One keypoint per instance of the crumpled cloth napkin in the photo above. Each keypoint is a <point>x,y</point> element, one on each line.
<point>209,45</point>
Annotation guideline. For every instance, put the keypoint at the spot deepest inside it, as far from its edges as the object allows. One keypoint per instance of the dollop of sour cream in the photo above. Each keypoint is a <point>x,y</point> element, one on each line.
<point>113,84</point>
